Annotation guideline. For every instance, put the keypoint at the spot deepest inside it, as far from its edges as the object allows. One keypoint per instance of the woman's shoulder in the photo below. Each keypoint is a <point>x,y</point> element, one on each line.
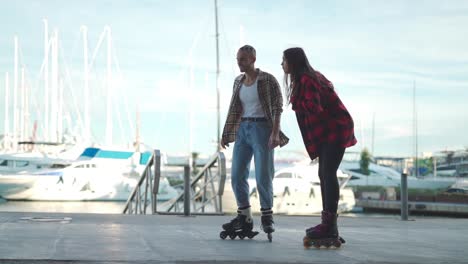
<point>316,79</point>
<point>307,78</point>
<point>324,81</point>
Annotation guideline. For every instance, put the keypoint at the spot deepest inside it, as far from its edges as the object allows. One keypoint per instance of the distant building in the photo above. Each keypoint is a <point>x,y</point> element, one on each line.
<point>452,162</point>
<point>397,163</point>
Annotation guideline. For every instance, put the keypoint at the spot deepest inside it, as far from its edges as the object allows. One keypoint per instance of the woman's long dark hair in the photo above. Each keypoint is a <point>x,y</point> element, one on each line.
<point>298,65</point>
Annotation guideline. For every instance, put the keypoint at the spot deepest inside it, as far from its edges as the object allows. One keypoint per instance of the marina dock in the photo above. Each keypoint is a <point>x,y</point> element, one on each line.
<point>414,207</point>
<point>125,239</point>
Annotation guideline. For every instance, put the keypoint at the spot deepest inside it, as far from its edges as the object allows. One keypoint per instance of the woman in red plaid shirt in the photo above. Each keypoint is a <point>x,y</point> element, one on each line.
<point>327,129</point>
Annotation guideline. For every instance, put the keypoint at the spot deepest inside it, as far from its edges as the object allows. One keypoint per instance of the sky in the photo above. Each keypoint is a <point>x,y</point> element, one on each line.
<point>164,66</point>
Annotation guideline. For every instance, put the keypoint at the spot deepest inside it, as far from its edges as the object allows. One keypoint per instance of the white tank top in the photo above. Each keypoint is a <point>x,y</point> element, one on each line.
<point>248,96</point>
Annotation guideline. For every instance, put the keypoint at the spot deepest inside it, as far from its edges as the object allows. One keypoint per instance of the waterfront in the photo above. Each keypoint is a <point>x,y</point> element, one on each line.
<point>108,207</point>
<point>62,207</point>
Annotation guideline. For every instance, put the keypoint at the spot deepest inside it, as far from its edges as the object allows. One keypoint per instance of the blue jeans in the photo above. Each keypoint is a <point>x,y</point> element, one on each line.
<point>252,140</point>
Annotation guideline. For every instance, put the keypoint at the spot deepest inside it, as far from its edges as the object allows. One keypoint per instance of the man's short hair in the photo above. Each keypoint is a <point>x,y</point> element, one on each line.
<point>249,49</point>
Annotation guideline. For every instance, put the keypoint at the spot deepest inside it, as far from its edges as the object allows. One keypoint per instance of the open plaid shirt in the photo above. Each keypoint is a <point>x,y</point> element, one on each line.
<point>322,117</point>
<point>269,93</point>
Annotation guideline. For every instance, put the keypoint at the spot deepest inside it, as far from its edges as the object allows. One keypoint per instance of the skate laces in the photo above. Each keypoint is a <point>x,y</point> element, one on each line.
<point>237,219</point>
<point>267,217</point>
<point>267,220</point>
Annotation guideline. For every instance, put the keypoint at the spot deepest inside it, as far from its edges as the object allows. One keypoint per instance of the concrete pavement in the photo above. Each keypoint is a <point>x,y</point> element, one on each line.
<point>103,238</point>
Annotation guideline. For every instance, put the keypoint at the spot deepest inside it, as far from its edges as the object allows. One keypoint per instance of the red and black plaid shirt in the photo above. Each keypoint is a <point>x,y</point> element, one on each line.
<point>321,115</point>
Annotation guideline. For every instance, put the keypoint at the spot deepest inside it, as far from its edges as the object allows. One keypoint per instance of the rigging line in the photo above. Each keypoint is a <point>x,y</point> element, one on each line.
<point>123,135</point>
<point>21,56</point>
<point>70,83</point>
<point>35,105</point>
<point>75,45</point>
<point>33,93</point>
<point>26,83</point>
<point>186,61</point>
<point>117,110</point>
<point>231,51</point>
<point>121,90</point>
<point>65,60</point>
<point>101,39</point>
<point>226,43</point>
<point>119,121</point>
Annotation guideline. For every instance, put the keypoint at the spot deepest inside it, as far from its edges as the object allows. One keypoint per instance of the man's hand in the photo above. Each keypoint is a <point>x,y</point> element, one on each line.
<point>274,139</point>
<point>223,144</point>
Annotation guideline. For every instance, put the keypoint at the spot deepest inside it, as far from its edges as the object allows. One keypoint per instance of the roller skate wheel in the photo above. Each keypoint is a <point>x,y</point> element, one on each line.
<point>232,236</point>
<point>223,235</point>
<point>306,242</point>
<point>241,236</point>
<point>252,234</point>
<point>337,244</point>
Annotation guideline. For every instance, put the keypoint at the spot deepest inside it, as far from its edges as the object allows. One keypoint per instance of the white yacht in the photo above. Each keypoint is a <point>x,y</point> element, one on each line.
<point>387,177</point>
<point>296,191</point>
<point>98,174</point>
<point>21,163</point>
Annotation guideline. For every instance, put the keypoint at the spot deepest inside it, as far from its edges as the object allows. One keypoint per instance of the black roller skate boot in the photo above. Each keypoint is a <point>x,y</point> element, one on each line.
<point>267,222</point>
<point>324,234</point>
<point>240,226</point>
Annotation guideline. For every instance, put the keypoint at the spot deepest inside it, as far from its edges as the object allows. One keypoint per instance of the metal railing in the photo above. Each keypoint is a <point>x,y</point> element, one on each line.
<point>146,191</point>
<point>204,190</point>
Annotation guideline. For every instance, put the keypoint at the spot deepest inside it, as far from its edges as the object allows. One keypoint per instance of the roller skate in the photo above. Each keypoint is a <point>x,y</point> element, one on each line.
<point>267,223</point>
<point>241,226</point>
<point>324,234</point>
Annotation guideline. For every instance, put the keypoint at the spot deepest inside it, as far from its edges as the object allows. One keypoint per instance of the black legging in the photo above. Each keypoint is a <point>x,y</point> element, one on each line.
<point>330,157</point>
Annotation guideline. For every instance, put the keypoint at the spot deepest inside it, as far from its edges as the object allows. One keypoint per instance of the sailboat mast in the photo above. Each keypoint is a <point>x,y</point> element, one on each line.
<point>15,96</point>
<point>22,110</point>
<point>415,131</point>
<point>109,87</point>
<point>218,138</point>
<point>138,125</point>
<point>46,80</point>
<point>26,108</point>
<point>373,134</point>
<point>53,136</point>
<point>191,82</point>
<point>87,127</point>
<point>60,112</point>
<point>6,125</point>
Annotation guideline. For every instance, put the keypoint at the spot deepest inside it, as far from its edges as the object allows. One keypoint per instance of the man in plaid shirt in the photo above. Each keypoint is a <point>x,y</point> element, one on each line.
<point>253,122</point>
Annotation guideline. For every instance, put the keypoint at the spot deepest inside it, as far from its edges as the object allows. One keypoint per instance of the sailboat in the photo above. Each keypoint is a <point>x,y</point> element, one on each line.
<point>99,173</point>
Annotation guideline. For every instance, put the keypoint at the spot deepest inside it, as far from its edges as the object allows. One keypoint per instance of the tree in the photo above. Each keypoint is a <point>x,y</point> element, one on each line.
<point>365,161</point>
<point>426,165</point>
